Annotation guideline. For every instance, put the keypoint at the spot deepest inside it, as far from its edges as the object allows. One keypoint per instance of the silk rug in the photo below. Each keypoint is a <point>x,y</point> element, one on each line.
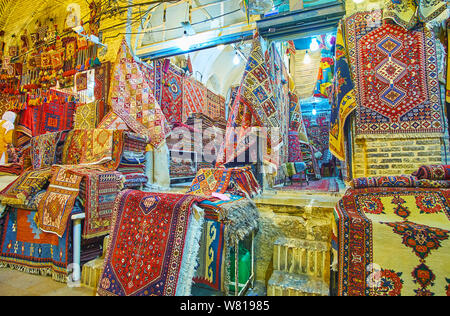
<point>151,264</point>
<point>393,241</point>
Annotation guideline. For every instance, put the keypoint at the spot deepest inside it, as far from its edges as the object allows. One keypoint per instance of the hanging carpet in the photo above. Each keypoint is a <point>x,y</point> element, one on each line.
<point>194,97</point>
<point>172,95</point>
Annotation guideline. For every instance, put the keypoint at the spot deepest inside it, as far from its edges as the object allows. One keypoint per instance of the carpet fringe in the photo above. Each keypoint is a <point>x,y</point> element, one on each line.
<point>399,136</point>
<point>189,262</point>
<point>57,276</point>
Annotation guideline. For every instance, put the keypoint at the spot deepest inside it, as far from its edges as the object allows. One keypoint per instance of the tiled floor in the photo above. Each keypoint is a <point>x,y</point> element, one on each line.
<point>16,283</point>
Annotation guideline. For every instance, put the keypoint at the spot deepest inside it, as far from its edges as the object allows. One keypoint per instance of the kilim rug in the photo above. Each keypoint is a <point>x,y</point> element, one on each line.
<point>194,97</point>
<point>172,95</point>
<point>56,113</point>
<point>98,192</point>
<point>98,146</point>
<point>393,241</point>
<point>211,265</point>
<point>86,116</point>
<point>29,183</point>
<point>113,121</point>
<point>397,88</point>
<point>132,100</point>
<point>26,248</point>
<point>295,151</point>
<point>158,65</point>
<point>57,204</point>
<point>208,181</point>
<point>342,98</point>
<point>408,13</point>
<point>151,264</point>
<point>254,106</point>
<point>448,67</point>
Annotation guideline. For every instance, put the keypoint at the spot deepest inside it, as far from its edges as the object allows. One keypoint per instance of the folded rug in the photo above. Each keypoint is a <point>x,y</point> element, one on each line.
<point>433,172</point>
<point>150,265</point>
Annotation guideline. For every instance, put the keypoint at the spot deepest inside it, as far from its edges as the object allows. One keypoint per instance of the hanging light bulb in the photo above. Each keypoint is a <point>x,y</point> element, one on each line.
<point>314,111</point>
<point>314,45</point>
<point>183,42</point>
<point>307,59</point>
<point>358,1</point>
<point>236,59</point>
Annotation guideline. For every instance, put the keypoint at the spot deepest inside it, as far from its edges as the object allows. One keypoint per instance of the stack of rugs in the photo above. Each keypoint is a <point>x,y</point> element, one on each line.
<point>230,216</point>
<point>392,235</point>
<point>132,162</point>
<point>71,172</point>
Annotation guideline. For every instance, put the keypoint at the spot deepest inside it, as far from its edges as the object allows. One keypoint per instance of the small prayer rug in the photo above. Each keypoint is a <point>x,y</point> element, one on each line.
<point>157,223</point>
<point>27,248</point>
<point>57,203</point>
<point>393,242</point>
<point>101,90</point>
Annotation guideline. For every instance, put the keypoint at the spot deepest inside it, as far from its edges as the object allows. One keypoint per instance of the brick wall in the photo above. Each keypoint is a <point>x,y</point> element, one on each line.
<point>386,157</point>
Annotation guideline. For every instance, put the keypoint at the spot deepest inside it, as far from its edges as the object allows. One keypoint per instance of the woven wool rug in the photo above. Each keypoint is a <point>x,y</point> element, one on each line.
<point>194,97</point>
<point>133,101</point>
<point>393,241</point>
<point>342,98</point>
<point>56,113</point>
<point>172,95</point>
<point>253,106</point>
<point>215,106</point>
<point>26,248</point>
<point>151,265</point>
<point>397,88</point>
<point>57,203</point>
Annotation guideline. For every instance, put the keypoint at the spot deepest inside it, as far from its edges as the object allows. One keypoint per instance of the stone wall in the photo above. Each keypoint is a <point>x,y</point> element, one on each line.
<point>290,215</point>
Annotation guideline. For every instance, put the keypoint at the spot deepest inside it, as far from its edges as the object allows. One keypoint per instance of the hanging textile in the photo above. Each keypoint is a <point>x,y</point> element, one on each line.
<point>172,95</point>
<point>397,87</point>
<point>56,113</point>
<point>132,100</point>
<point>342,98</point>
<point>407,13</point>
<point>161,248</point>
<point>194,97</point>
<point>448,63</point>
<point>296,123</point>
<point>254,106</point>
<point>102,80</point>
